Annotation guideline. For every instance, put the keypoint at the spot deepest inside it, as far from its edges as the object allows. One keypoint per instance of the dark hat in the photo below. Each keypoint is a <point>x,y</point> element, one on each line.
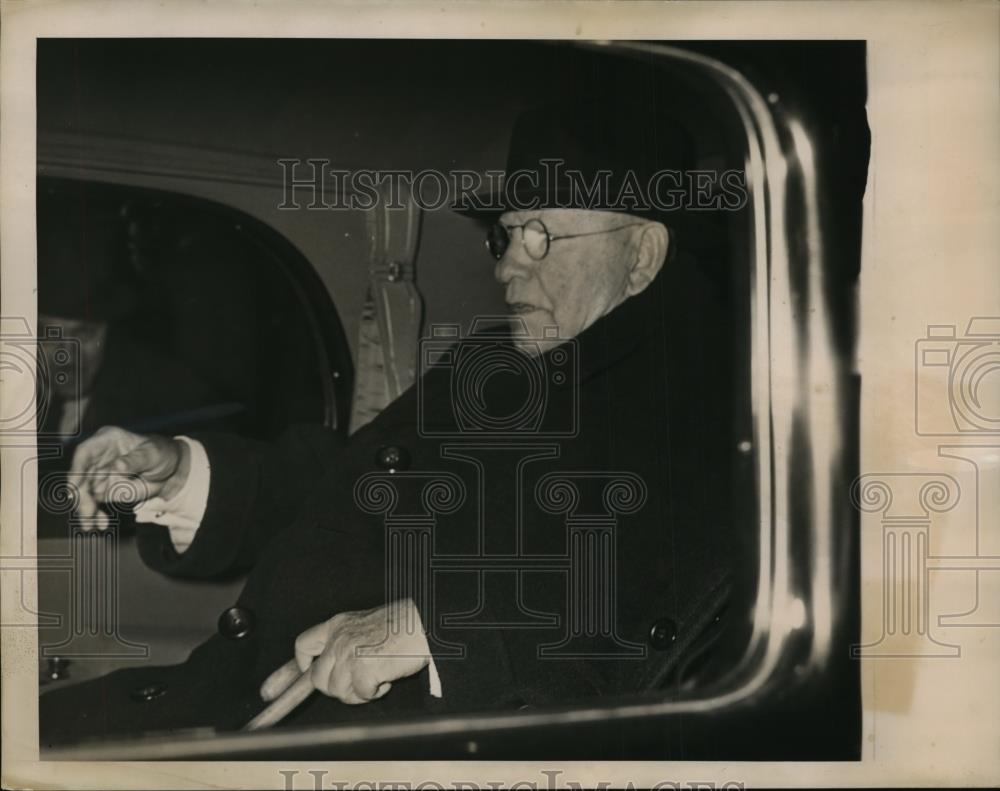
<point>79,243</point>
<point>602,155</point>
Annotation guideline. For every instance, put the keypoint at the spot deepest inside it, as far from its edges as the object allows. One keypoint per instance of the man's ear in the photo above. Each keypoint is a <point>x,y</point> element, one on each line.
<point>651,252</point>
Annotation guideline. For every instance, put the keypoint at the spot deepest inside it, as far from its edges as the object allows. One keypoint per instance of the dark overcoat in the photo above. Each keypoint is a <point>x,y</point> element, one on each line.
<point>565,529</point>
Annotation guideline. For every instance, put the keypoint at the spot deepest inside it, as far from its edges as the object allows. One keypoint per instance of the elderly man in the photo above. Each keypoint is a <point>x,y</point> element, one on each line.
<point>429,564</point>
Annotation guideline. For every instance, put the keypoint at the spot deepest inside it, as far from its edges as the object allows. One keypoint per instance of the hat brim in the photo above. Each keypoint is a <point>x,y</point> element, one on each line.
<point>487,207</point>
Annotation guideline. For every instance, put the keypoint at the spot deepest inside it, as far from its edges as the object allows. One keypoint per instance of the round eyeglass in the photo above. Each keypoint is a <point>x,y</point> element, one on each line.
<point>535,237</point>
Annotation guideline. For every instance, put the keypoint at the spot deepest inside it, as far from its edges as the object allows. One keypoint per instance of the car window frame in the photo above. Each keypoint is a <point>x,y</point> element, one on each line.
<point>798,595</point>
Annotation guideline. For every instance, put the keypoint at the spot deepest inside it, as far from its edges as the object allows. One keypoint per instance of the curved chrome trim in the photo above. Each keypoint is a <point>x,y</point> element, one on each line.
<point>819,392</point>
<point>773,347</point>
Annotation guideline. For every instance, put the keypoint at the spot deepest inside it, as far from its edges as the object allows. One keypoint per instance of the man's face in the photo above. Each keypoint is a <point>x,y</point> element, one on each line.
<point>76,336</point>
<point>578,280</point>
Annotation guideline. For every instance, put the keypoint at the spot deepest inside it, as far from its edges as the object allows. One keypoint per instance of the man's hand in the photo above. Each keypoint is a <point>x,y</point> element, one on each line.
<point>355,656</point>
<point>118,466</point>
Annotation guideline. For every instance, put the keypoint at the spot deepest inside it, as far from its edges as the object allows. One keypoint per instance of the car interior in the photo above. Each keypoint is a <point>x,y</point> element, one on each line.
<point>266,306</point>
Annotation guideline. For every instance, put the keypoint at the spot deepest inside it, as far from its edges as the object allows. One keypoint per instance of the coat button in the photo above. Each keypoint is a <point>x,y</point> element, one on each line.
<point>392,458</point>
<point>236,623</point>
<point>662,634</point>
<point>148,692</point>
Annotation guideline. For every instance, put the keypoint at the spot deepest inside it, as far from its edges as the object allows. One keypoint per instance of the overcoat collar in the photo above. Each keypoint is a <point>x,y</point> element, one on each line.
<point>618,334</point>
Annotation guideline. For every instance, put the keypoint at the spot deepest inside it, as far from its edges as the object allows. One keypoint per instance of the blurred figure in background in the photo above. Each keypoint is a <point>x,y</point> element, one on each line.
<point>92,370</point>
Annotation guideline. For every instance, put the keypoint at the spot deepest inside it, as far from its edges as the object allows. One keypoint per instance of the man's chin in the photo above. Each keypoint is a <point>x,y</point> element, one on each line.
<point>537,323</point>
<point>535,331</point>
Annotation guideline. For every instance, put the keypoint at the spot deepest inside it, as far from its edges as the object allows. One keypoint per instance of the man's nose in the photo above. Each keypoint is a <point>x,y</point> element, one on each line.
<point>511,265</point>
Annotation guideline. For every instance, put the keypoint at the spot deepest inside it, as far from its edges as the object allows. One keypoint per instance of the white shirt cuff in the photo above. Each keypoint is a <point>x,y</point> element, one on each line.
<point>435,679</point>
<point>182,514</point>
